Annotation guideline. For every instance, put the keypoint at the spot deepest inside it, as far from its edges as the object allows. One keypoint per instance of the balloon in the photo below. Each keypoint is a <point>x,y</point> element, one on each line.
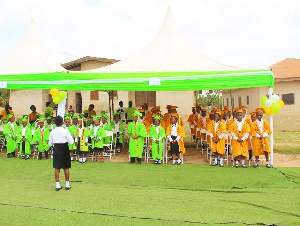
<point>62,95</point>
<point>281,103</point>
<point>54,92</point>
<point>268,103</point>
<point>2,102</point>
<point>56,100</point>
<point>274,98</point>
<point>268,111</point>
<point>263,100</point>
<point>275,108</point>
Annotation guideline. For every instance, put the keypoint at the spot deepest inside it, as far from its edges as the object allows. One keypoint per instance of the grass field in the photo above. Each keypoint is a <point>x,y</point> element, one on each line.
<point>147,194</point>
<point>287,142</point>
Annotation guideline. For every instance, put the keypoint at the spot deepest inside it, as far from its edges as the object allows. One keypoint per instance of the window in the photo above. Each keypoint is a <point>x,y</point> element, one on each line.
<point>240,101</point>
<point>288,99</point>
<point>227,101</point>
<point>94,95</point>
<point>210,91</point>
<point>200,91</point>
<point>248,100</point>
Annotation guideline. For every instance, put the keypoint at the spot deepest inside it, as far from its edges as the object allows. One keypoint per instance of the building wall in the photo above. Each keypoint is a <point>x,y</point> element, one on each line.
<point>89,65</point>
<point>288,119</point>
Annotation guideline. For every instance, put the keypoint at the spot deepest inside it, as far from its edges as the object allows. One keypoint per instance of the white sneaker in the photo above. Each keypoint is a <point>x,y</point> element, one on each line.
<point>174,162</point>
<point>179,161</point>
<point>104,154</point>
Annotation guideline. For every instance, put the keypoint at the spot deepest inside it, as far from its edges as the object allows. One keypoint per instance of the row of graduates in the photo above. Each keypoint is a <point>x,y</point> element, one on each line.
<point>248,134</point>
<point>21,136</point>
<point>140,128</point>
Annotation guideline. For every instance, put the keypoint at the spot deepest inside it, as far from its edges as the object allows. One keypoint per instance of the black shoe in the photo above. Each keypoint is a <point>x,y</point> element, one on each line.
<point>221,165</point>
<point>139,161</point>
<point>8,155</point>
<point>214,164</point>
<point>67,188</point>
<point>244,166</point>
<point>156,162</point>
<point>58,189</point>
<point>268,166</point>
<point>255,165</point>
<point>23,156</point>
<point>159,162</point>
<point>27,157</point>
<point>236,165</point>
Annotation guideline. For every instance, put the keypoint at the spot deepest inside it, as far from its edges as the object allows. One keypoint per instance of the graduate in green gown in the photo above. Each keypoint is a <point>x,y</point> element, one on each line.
<point>41,138</point>
<point>25,138</point>
<point>157,134</point>
<point>107,127</point>
<point>137,133</point>
<point>117,127</point>
<point>98,135</point>
<point>11,133</point>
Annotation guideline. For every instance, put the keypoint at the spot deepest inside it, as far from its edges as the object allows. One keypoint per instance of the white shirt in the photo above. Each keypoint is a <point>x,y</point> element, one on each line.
<point>261,128</point>
<point>204,121</point>
<point>174,133</point>
<point>59,136</point>
<point>24,131</point>
<point>122,111</point>
<point>157,131</point>
<point>117,126</point>
<point>240,126</point>
<point>222,134</point>
<point>95,131</point>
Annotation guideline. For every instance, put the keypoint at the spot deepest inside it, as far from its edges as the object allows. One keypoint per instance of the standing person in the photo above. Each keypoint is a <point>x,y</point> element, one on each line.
<point>217,133</point>
<point>122,109</point>
<point>25,138</point>
<point>49,110</point>
<point>10,133</point>
<point>193,123</point>
<point>137,133</point>
<point>240,131</point>
<point>157,134</point>
<point>81,141</point>
<point>92,110</point>
<point>5,112</point>
<point>129,112</point>
<point>71,110</point>
<point>175,134</point>
<point>60,138</point>
<point>260,132</point>
<point>33,116</point>
<point>97,135</point>
<point>107,127</point>
<point>117,127</point>
<point>41,138</point>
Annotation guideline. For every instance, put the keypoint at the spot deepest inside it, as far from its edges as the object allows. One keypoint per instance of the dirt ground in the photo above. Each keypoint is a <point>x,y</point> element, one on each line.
<point>192,156</point>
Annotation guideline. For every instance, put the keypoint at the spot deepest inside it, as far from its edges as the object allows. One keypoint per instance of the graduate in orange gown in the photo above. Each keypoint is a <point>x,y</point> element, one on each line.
<point>175,134</point>
<point>260,131</point>
<point>240,131</point>
<point>192,121</point>
<point>218,132</point>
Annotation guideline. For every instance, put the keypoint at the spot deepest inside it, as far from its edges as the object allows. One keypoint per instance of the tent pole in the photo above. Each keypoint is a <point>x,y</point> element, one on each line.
<point>109,102</point>
<point>272,134</point>
<point>112,102</point>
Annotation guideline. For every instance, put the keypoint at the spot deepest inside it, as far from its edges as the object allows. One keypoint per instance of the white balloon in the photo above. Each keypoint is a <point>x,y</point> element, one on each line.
<point>274,98</point>
<point>268,103</point>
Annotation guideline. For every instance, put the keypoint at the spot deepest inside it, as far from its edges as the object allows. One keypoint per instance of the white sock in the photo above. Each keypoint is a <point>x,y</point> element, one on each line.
<point>72,158</point>
<point>67,183</point>
<point>268,163</point>
<point>243,161</point>
<point>179,160</point>
<point>174,161</point>
<point>221,161</point>
<point>216,161</point>
<point>57,185</point>
<point>236,162</point>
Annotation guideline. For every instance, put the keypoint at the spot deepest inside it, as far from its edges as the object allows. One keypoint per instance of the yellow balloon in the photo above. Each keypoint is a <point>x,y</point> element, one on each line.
<point>54,92</point>
<point>268,111</point>
<point>281,103</point>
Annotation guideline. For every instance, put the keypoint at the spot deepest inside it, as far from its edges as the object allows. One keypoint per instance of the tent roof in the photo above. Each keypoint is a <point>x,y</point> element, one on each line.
<point>28,56</point>
<point>288,68</point>
<point>169,52</point>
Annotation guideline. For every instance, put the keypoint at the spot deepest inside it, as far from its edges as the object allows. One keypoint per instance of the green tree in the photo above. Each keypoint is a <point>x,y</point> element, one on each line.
<point>4,95</point>
<point>210,100</point>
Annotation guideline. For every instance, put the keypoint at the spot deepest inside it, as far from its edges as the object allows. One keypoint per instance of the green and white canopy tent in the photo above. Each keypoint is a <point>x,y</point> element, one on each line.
<point>168,63</point>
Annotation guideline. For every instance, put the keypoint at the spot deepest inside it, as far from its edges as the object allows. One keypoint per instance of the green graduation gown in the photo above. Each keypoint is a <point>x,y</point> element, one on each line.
<point>10,132</point>
<point>28,136</point>
<point>42,139</point>
<point>136,146</point>
<point>157,148</point>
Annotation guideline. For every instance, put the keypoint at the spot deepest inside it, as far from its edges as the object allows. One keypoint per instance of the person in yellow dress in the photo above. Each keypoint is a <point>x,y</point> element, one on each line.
<point>240,131</point>
<point>175,134</point>
<point>218,132</point>
<point>260,131</point>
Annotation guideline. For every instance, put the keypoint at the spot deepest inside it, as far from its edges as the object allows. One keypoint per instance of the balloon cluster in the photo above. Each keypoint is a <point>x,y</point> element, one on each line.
<point>271,105</point>
<point>57,95</point>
